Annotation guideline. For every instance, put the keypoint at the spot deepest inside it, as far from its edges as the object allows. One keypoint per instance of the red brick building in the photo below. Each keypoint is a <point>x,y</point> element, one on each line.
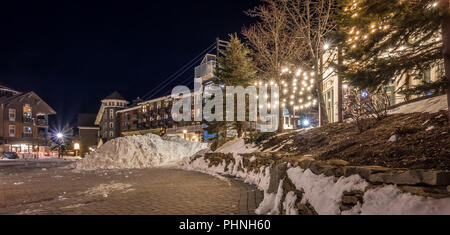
<point>23,121</point>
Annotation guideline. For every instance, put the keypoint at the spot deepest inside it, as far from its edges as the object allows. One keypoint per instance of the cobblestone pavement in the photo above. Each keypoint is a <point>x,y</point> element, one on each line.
<point>55,190</point>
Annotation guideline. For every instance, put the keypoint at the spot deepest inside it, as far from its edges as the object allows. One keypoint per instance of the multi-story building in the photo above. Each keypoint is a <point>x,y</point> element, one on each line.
<point>330,89</point>
<point>87,133</point>
<point>107,119</point>
<point>24,121</point>
<point>154,116</point>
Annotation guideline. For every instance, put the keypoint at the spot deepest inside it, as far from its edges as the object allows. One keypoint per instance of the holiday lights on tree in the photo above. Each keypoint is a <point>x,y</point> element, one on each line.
<point>385,40</point>
<point>296,86</point>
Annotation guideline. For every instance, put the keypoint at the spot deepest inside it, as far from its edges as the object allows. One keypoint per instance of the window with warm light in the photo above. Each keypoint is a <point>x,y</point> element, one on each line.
<point>12,115</point>
<point>27,111</point>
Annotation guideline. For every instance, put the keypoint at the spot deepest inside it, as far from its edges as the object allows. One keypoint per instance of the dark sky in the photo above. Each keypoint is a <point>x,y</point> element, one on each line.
<point>73,53</point>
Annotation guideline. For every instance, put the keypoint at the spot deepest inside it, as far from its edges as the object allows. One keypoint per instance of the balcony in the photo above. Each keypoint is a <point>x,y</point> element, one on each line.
<point>41,122</point>
<point>205,70</point>
<point>27,120</point>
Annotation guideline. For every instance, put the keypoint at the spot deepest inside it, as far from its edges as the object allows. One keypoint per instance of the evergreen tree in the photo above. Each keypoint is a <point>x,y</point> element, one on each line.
<point>235,68</point>
<point>383,40</point>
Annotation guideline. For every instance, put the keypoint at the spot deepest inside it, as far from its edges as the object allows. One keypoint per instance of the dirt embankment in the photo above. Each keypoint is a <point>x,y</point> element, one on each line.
<point>414,141</point>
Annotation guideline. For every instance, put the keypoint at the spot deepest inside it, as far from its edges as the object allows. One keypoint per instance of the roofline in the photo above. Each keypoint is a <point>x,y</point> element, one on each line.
<point>88,127</point>
<point>52,111</point>
<point>129,109</point>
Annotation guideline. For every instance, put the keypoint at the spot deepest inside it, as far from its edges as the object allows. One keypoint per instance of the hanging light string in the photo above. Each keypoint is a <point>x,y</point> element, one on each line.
<point>295,88</point>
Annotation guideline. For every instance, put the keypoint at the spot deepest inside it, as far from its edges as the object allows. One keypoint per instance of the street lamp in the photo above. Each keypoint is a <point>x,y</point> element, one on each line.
<point>185,134</point>
<point>60,137</point>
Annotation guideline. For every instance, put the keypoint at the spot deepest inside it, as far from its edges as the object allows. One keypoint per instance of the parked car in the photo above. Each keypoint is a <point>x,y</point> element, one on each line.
<point>11,155</point>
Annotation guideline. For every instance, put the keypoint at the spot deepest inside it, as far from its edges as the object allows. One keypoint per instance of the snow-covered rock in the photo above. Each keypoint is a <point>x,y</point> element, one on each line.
<point>431,105</point>
<point>393,138</point>
<point>140,151</point>
<point>237,146</point>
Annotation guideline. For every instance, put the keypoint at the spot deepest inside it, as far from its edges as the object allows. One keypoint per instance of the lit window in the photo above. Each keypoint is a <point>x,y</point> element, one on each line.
<point>27,130</point>
<point>111,134</point>
<point>27,111</point>
<point>12,131</point>
<point>12,115</point>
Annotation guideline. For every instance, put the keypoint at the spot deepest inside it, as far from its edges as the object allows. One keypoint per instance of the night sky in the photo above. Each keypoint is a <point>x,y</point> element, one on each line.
<point>74,53</point>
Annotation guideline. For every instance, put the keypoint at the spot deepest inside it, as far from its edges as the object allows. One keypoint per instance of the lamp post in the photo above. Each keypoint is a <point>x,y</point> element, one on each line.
<point>60,139</point>
<point>185,134</point>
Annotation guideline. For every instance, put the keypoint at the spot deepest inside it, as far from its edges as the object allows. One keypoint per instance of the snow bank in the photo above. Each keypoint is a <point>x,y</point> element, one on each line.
<point>140,151</point>
<point>322,192</point>
<point>389,200</point>
<point>237,146</point>
<point>325,193</point>
<point>431,105</point>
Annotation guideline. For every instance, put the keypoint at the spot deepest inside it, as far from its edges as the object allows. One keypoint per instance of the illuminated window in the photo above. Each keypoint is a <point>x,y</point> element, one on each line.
<point>27,131</point>
<point>27,111</point>
<point>12,131</point>
<point>111,134</point>
<point>12,115</point>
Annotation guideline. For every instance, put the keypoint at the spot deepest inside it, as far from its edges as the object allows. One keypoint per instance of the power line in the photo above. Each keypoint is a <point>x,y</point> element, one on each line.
<point>180,71</point>
<point>162,86</point>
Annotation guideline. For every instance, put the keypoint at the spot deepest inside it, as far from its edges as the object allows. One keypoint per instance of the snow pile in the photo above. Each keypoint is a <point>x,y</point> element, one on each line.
<point>322,192</point>
<point>431,105</point>
<point>325,193</point>
<point>237,146</point>
<point>389,200</point>
<point>140,151</point>
<point>271,202</point>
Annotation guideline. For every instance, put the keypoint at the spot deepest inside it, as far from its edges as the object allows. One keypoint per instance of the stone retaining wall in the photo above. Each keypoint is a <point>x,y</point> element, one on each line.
<point>424,183</point>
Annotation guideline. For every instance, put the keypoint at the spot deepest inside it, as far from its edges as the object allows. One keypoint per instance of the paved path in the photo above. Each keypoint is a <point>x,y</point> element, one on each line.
<point>37,190</point>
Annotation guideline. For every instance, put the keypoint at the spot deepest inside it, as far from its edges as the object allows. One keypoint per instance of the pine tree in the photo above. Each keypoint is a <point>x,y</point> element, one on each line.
<point>235,68</point>
<point>383,40</point>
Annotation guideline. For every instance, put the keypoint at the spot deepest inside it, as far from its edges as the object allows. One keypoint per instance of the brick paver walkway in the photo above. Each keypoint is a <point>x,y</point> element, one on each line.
<point>40,190</point>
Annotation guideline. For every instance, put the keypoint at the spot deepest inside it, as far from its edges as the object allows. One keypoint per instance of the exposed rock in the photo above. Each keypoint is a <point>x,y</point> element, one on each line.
<point>277,173</point>
<point>305,209</point>
<point>345,208</point>
<point>337,162</point>
<point>304,161</point>
<point>350,200</point>
<point>320,167</point>
<point>412,177</point>
<point>433,192</point>
<point>364,171</point>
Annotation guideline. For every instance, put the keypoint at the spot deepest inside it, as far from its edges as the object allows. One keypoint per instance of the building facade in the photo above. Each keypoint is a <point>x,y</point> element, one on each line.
<point>330,89</point>
<point>87,133</point>
<point>154,116</point>
<point>107,119</point>
<point>24,122</point>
